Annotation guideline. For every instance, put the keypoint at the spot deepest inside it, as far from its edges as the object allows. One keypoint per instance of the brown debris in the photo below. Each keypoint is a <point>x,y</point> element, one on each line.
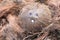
<point>29,19</point>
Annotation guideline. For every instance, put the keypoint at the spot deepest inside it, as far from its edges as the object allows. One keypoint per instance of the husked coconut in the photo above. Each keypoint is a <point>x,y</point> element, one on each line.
<point>34,17</point>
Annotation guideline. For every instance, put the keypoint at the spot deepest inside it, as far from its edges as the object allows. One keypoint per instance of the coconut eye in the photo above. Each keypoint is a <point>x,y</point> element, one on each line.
<point>30,13</point>
<point>36,14</point>
<point>32,21</point>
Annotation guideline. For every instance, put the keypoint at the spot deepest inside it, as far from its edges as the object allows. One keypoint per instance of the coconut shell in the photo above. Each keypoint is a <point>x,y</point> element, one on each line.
<point>34,17</point>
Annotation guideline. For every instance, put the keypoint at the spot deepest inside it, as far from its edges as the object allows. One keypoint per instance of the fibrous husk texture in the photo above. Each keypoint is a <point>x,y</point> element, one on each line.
<point>29,19</point>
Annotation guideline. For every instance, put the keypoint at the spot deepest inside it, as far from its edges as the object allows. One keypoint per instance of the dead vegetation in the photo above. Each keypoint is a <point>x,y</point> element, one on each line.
<point>29,19</point>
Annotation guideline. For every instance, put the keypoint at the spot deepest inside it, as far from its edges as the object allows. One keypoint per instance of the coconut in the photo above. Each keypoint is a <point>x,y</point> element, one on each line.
<point>34,17</point>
